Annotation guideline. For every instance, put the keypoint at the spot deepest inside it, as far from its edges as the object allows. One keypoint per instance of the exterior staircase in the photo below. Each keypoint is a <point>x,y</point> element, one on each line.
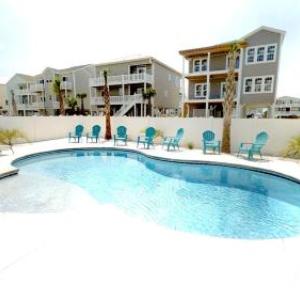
<point>129,102</point>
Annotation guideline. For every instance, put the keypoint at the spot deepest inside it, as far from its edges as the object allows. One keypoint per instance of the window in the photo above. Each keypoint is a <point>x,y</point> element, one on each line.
<point>248,85</point>
<point>261,54</point>
<point>204,65</point>
<point>197,65</point>
<point>200,65</point>
<point>271,53</point>
<point>262,84</point>
<point>258,85</point>
<point>250,55</point>
<point>237,62</point>
<point>200,90</point>
<point>268,86</point>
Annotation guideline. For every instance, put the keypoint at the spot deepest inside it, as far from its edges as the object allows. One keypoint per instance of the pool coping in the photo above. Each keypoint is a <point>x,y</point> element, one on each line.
<point>12,170</point>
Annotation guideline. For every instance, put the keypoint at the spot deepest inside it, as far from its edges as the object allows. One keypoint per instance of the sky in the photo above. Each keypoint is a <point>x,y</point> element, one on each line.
<point>35,34</point>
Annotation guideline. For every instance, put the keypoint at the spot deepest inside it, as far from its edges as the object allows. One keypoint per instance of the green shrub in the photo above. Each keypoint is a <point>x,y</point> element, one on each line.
<point>190,145</point>
<point>10,137</point>
<point>293,148</point>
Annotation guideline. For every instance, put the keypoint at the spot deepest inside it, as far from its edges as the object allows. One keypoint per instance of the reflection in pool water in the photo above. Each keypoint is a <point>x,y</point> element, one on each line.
<point>206,199</point>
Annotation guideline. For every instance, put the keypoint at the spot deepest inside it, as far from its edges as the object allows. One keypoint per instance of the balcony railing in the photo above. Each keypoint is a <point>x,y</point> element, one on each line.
<point>117,100</point>
<point>211,98</point>
<point>20,92</point>
<point>36,87</point>
<point>51,104</point>
<point>122,79</point>
<point>66,85</point>
<point>286,113</point>
<point>30,106</point>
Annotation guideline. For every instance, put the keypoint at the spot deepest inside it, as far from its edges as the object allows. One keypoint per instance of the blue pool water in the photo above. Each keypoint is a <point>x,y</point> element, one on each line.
<point>204,199</point>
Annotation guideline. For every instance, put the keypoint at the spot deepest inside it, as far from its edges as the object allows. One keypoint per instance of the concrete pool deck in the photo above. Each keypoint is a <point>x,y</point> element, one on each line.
<point>88,251</point>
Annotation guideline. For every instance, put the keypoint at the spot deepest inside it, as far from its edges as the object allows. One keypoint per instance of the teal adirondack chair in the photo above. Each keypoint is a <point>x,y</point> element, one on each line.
<point>148,138</point>
<point>77,135</point>
<point>210,143</point>
<point>254,148</point>
<point>94,135</point>
<point>121,135</point>
<point>173,141</point>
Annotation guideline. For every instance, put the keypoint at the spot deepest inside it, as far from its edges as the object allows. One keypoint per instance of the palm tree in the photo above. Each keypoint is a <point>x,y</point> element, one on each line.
<point>72,103</point>
<point>82,96</point>
<point>58,93</point>
<point>148,94</point>
<point>106,97</point>
<point>229,97</point>
<point>10,136</point>
<point>13,102</point>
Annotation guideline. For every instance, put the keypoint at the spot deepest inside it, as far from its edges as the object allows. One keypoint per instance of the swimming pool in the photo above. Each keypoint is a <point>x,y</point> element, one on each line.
<point>205,199</point>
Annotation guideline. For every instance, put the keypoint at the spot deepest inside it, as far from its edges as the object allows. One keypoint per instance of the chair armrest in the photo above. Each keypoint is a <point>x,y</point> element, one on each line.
<point>246,143</point>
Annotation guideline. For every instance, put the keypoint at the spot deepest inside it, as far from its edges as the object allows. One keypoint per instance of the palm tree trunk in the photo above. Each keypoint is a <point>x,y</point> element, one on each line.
<point>61,104</point>
<point>14,105</point>
<point>229,100</point>
<point>107,114</point>
<point>82,106</point>
<point>107,108</point>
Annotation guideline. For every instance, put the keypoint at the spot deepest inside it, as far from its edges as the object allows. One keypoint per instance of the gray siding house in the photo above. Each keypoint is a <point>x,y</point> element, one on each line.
<point>256,72</point>
<point>128,80</point>
<point>3,101</point>
<point>34,95</point>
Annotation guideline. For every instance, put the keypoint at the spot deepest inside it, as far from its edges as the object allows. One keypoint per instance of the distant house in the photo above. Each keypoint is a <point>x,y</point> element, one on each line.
<point>3,101</point>
<point>127,81</point>
<point>34,94</point>
<point>286,107</point>
<point>256,75</point>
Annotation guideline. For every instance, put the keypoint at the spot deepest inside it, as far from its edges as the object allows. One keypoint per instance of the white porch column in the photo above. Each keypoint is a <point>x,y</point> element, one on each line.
<point>134,110</point>
<point>74,85</point>
<point>208,86</point>
<point>239,83</point>
<point>183,84</point>
<point>145,109</point>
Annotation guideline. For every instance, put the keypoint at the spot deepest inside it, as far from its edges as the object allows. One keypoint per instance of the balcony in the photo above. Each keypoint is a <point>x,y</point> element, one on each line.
<point>66,85</point>
<point>212,98</point>
<point>37,87</point>
<point>118,100</point>
<point>121,79</point>
<point>195,75</point>
<point>286,113</point>
<point>51,104</point>
<point>30,106</point>
<point>21,92</point>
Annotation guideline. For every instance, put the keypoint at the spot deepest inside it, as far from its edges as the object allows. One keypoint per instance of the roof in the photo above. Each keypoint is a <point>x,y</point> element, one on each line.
<point>224,47</point>
<point>136,59</point>
<point>271,29</point>
<point>218,48</point>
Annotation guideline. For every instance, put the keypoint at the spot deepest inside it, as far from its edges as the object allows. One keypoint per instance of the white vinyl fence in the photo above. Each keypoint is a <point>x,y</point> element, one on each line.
<point>243,130</point>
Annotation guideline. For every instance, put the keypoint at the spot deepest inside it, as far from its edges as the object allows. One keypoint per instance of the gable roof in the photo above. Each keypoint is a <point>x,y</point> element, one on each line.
<point>271,29</point>
<point>224,47</point>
